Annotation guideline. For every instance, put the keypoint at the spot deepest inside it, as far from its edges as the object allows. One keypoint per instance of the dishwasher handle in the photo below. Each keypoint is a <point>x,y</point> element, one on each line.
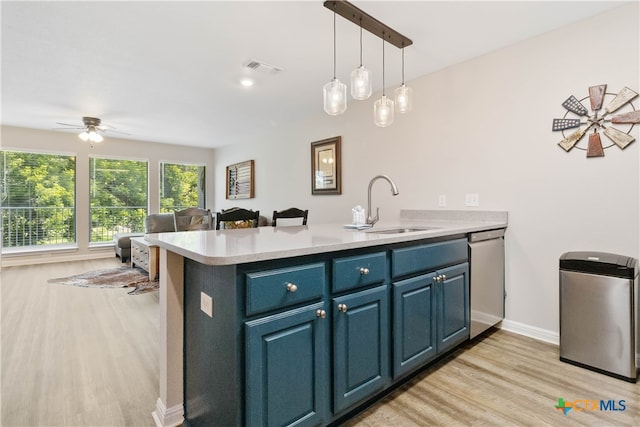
<point>486,235</point>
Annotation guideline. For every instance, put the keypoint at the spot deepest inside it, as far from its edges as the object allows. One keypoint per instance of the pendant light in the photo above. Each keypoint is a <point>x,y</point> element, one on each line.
<point>404,94</point>
<point>383,107</point>
<point>361,84</point>
<point>335,92</point>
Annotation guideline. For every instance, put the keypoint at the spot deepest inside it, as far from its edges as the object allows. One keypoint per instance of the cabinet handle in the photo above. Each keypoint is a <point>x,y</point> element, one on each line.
<point>291,287</point>
<point>443,277</point>
<point>342,308</point>
<point>364,271</point>
<point>321,313</point>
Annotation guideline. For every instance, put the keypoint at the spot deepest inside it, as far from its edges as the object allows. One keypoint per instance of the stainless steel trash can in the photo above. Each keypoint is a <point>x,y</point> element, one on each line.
<point>599,313</point>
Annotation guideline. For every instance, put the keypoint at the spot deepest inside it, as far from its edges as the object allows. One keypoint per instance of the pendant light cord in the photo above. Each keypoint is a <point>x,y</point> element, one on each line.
<point>403,64</point>
<point>361,41</point>
<point>334,44</point>
<point>383,64</point>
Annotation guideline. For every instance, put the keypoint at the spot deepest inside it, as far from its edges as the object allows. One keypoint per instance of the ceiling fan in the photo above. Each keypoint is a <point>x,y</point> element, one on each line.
<point>92,129</point>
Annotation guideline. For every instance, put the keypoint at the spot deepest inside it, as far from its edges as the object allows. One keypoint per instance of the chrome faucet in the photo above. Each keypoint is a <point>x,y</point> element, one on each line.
<point>394,191</point>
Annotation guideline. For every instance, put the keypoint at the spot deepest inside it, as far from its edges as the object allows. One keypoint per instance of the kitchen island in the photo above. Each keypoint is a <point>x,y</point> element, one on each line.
<point>302,324</point>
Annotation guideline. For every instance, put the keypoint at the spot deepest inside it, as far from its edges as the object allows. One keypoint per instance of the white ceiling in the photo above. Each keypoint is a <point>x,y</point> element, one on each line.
<point>169,71</point>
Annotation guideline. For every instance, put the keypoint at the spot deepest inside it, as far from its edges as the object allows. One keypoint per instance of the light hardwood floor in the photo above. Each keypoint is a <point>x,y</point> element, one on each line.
<point>89,357</point>
<point>75,356</point>
<point>503,379</point>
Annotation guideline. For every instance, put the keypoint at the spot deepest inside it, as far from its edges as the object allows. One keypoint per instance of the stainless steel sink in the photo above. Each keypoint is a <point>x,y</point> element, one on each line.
<point>400,230</point>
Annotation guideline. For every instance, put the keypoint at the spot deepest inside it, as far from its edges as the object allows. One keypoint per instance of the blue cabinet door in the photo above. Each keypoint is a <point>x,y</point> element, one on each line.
<point>453,306</point>
<point>414,323</point>
<point>360,346</point>
<point>286,368</point>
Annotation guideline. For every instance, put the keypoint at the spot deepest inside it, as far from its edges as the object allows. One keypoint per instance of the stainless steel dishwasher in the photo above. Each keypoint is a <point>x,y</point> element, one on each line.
<point>486,279</point>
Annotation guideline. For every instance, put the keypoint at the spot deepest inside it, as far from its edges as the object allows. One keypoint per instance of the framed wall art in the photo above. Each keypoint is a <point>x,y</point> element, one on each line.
<point>325,166</point>
<point>240,180</point>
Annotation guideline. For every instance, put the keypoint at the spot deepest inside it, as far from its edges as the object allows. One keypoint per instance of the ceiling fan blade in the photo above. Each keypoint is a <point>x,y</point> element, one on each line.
<point>572,104</point>
<point>568,143</point>
<point>562,124</point>
<point>596,96</point>
<point>116,131</point>
<point>621,98</point>
<point>595,146</point>
<point>69,124</point>
<point>67,128</point>
<point>632,117</point>
<point>618,137</point>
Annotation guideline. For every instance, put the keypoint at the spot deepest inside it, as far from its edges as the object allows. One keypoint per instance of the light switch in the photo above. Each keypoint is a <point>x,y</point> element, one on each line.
<point>206,304</point>
<point>442,200</point>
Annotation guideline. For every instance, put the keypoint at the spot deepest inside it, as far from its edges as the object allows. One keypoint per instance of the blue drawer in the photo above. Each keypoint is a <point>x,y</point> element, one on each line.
<point>358,271</point>
<point>428,257</point>
<point>274,289</point>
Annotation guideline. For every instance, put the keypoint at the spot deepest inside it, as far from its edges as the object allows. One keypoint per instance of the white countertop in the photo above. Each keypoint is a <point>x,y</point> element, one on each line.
<point>227,247</point>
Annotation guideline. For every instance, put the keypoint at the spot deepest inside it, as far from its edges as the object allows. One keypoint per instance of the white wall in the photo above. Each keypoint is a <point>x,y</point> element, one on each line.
<point>69,143</point>
<point>483,126</point>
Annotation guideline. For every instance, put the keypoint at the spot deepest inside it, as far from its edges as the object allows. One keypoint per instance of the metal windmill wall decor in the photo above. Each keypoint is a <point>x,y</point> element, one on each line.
<point>616,128</point>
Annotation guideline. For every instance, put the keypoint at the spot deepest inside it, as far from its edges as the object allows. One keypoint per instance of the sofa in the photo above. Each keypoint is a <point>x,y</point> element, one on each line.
<point>154,223</point>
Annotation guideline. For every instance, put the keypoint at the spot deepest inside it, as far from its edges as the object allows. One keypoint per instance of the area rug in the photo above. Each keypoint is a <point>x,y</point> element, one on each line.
<point>122,277</point>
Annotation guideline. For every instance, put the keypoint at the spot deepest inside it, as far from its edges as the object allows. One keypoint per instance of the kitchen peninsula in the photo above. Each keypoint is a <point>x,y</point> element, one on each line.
<point>285,325</point>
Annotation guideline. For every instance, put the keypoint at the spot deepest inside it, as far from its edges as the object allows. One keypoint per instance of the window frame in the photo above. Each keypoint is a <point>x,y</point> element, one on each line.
<point>49,247</point>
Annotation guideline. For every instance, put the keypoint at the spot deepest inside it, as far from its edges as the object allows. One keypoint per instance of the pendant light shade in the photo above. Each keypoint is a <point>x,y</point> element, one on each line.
<point>334,93</point>
<point>404,94</point>
<point>335,97</point>
<point>361,82</point>
<point>383,112</point>
<point>383,107</point>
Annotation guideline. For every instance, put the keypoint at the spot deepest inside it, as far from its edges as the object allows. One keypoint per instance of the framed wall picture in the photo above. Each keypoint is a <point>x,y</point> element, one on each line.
<point>325,166</point>
<point>240,180</point>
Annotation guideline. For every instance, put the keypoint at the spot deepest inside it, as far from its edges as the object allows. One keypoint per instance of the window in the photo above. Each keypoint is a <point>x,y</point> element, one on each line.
<point>181,186</point>
<point>118,197</point>
<point>37,199</point>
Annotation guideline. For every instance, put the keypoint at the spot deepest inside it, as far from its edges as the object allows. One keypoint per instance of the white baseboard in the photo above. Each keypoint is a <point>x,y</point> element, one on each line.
<point>170,417</point>
<point>46,258</point>
<point>531,331</point>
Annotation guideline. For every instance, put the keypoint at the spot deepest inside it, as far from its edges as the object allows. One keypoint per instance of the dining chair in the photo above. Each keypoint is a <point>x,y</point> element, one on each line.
<point>288,217</point>
<point>237,218</point>
<point>193,219</point>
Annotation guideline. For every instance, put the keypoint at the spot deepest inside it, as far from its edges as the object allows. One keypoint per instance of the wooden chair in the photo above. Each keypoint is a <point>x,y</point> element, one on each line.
<point>237,218</point>
<point>193,219</point>
<point>289,216</point>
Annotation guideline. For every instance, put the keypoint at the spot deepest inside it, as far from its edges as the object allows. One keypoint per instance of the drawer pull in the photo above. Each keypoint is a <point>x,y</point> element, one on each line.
<point>291,287</point>
<point>443,278</point>
<point>321,313</point>
<point>342,308</point>
<point>364,271</point>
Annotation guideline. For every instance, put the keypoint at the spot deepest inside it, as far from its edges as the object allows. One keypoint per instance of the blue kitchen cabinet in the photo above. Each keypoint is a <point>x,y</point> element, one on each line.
<point>360,346</point>
<point>453,306</point>
<point>286,365</point>
<point>431,306</point>
<point>304,341</point>
<point>414,323</point>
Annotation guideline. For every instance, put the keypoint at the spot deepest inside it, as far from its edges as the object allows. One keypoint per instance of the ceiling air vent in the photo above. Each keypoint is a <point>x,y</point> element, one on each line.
<point>262,67</point>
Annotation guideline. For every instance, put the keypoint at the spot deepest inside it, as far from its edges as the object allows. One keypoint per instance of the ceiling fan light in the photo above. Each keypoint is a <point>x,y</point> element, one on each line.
<point>361,83</point>
<point>335,97</point>
<point>95,136</point>
<point>84,136</point>
<point>404,99</point>
<point>383,112</point>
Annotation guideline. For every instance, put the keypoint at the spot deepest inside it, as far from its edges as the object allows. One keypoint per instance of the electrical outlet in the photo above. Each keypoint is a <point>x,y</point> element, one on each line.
<point>442,200</point>
<point>206,304</point>
<point>472,199</point>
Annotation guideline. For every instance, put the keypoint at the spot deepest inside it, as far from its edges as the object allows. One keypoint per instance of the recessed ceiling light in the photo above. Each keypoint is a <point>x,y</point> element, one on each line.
<point>246,82</point>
